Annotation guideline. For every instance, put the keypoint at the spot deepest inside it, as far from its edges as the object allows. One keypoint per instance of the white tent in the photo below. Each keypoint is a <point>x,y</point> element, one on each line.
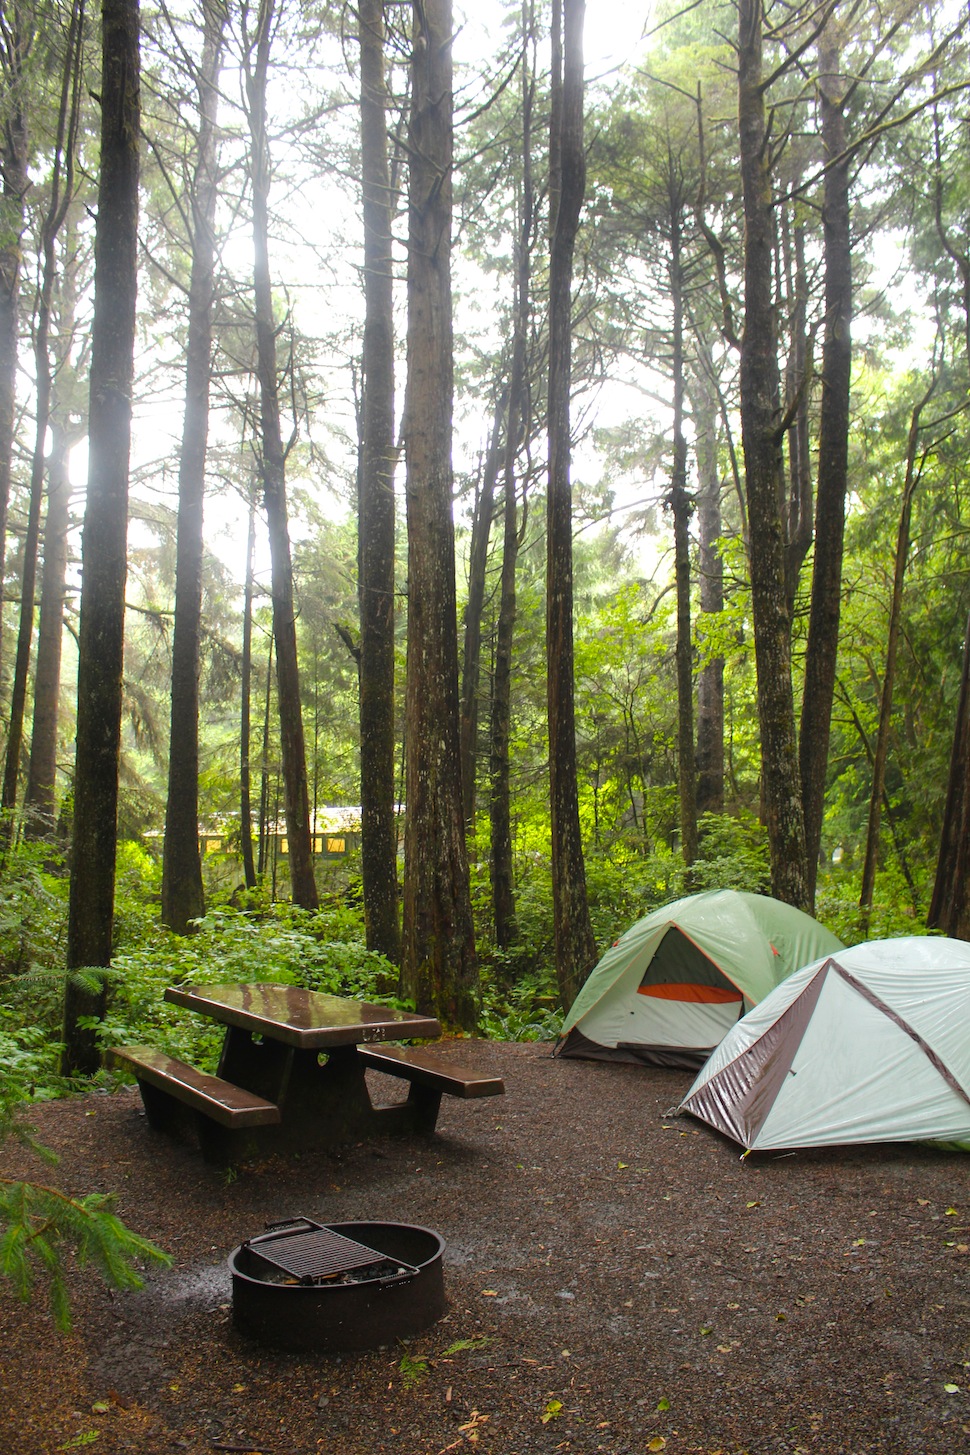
<point>870,1044</point>
<point>670,987</point>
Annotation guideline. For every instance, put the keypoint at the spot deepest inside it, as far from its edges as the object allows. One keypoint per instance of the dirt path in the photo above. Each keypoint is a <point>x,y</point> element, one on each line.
<point>618,1282</point>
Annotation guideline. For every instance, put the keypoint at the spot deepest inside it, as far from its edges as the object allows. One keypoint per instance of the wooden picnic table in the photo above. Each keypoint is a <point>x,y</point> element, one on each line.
<point>291,1073</point>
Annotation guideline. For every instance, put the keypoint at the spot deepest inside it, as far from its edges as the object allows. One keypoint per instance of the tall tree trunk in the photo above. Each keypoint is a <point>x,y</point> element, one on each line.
<point>477,578</point>
<point>183,896</point>
<point>519,419</point>
<point>798,524</point>
<point>575,943</point>
<point>833,463</point>
<point>710,678</point>
<point>439,969</point>
<point>61,188</point>
<point>40,800</point>
<point>104,542</point>
<point>266,827</point>
<point>15,41</point>
<point>764,484</point>
<point>881,751</point>
<point>245,711</point>
<point>273,461</point>
<point>500,796</point>
<point>681,508</point>
<point>376,523</point>
<point>950,906</point>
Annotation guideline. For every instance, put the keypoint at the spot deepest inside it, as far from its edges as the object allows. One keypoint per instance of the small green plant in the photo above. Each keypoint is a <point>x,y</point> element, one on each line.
<point>464,1346</point>
<point>412,1369</point>
<point>526,1012</point>
<point>87,1437</point>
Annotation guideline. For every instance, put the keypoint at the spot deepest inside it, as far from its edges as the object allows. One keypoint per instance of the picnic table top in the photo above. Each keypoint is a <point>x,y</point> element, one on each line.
<point>300,1017</point>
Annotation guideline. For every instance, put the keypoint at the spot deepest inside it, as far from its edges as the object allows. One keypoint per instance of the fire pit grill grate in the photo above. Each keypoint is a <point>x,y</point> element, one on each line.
<point>306,1286</point>
<point>313,1253</point>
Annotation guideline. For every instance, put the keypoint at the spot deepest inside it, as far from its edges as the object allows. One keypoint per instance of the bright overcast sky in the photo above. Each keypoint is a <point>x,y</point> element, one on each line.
<point>612,32</point>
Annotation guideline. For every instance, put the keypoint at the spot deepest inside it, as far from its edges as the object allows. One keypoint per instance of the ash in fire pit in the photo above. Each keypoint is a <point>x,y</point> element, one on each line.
<point>305,1286</point>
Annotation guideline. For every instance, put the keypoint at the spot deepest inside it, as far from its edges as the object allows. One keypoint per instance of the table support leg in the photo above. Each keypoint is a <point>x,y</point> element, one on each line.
<point>229,1146</point>
<point>163,1112</point>
<point>424,1103</point>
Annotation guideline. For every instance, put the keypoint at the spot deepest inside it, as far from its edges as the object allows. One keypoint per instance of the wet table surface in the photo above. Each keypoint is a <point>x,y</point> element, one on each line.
<point>298,1049</point>
<point>305,1018</point>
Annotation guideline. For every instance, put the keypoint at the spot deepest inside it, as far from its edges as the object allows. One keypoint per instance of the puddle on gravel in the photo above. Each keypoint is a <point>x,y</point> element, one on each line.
<point>212,1283</point>
<point>134,1356</point>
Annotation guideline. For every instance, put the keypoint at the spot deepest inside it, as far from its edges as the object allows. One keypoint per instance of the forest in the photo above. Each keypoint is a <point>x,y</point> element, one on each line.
<point>456,495</point>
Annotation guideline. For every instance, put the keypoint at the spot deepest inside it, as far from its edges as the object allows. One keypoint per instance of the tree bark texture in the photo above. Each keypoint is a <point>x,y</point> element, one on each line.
<point>104,540</point>
<point>798,522</point>
<point>40,800</point>
<point>519,418</point>
<point>880,755</point>
<point>376,523</point>
<point>575,943</point>
<point>710,678</point>
<point>15,40</point>
<point>183,896</point>
<point>273,461</point>
<point>681,509</point>
<point>61,187</point>
<point>764,484</point>
<point>264,773</point>
<point>950,906</point>
<point>500,792</point>
<point>439,968</point>
<point>246,712</point>
<point>471,664</point>
<point>833,464</point>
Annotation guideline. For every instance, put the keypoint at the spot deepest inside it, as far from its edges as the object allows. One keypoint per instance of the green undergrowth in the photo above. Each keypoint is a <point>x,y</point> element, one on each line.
<point>245,937</point>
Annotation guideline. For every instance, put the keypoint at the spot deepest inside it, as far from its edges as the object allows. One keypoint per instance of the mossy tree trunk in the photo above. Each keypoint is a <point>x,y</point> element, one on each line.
<point>764,483</point>
<point>273,467</point>
<point>575,943</point>
<point>439,970</point>
<point>376,520</point>
<point>105,537</point>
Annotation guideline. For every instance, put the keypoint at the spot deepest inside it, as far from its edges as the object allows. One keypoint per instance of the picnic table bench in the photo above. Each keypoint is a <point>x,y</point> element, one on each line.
<point>431,1076</point>
<point>291,1075</point>
<point>173,1092</point>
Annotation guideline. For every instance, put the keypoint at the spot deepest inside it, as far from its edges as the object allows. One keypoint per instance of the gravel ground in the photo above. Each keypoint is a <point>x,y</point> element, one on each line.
<point>618,1281</point>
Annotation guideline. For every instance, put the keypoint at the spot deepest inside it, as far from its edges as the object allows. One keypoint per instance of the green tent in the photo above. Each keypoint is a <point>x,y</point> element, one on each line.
<point>672,986</point>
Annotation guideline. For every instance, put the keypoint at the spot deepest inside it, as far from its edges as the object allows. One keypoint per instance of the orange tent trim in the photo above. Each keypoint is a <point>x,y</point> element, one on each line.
<point>697,994</point>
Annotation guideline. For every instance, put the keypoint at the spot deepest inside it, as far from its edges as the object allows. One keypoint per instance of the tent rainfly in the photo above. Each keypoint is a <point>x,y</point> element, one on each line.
<point>870,1044</point>
<point>672,986</point>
